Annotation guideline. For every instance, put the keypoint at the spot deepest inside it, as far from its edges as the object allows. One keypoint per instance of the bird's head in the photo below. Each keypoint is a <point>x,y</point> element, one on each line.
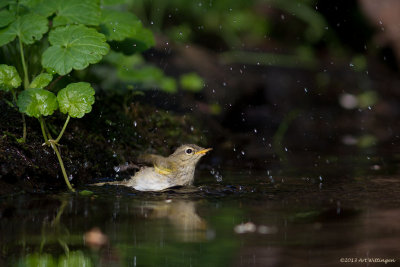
<point>188,154</point>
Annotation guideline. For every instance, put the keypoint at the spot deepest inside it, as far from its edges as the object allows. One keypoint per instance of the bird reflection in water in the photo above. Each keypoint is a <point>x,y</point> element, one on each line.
<point>183,216</point>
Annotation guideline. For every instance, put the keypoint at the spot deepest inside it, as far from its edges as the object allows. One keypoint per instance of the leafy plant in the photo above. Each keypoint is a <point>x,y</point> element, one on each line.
<point>192,82</point>
<point>59,36</point>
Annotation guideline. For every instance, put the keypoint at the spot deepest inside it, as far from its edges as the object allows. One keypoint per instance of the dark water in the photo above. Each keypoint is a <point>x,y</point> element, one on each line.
<point>248,219</point>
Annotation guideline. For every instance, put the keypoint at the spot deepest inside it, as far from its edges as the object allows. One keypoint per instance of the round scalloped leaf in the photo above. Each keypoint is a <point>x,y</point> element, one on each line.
<point>41,81</point>
<point>76,12</point>
<point>42,7</point>
<point>4,3</point>
<point>74,47</point>
<point>67,11</point>
<point>6,17</point>
<point>6,36</point>
<point>9,77</point>
<point>29,28</point>
<point>76,99</point>
<point>37,102</point>
<point>117,25</point>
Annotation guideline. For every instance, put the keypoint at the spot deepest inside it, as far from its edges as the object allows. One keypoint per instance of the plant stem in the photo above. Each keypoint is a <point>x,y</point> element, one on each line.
<point>63,129</point>
<point>62,167</point>
<point>26,85</point>
<point>23,117</point>
<point>55,148</point>
<point>23,128</point>
<point>46,139</point>
<point>26,78</point>
<point>51,85</point>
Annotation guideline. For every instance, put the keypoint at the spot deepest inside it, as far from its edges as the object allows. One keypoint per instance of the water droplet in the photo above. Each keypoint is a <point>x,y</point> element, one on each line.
<point>151,22</point>
<point>255,130</point>
<point>305,90</point>
<point>286,149</point>
<point>271,179</point>
<point>192,128</point>
<point>135,123</point>
<point>216,174</point>
<point>242,152</point>
<point>224,84</point>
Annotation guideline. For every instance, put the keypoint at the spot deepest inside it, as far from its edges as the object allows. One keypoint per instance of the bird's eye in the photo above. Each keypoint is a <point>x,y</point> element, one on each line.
<point>189,151</point>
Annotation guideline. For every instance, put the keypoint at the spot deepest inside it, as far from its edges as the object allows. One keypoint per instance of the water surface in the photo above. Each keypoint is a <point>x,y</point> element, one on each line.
<point>248,219</point>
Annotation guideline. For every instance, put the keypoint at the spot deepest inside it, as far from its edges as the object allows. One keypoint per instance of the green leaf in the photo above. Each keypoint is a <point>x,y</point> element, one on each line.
<point>192,82</point>
<point>75,259</point>
<point>113,2</point>
<point>168,85</point>
<point>74,47</point>
<point>4,3</point>
<point>41,81</point>
<point>6,17</point>
<point>147,75</point>
<point>38,259</point>
<point>29,28</point>
<point>37,102</point>
<point>118,25</point>
<point>76,12</point>
<point>86,193</point>
<point>76,99</point>
<point>9,77</point>
<point>42,7</point>
<point>144,39</point>
<point>67,11</point>
<point>141,41</point>
<point>6,36</point>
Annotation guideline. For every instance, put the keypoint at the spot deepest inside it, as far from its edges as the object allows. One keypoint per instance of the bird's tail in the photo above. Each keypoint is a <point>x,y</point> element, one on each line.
<point>110,183</point>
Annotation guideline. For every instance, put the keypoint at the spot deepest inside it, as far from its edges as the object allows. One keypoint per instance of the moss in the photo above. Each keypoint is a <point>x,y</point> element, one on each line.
<point>110,135</point>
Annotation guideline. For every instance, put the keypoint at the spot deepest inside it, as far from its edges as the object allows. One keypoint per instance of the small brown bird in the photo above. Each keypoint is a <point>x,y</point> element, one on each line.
<point>174,170</point>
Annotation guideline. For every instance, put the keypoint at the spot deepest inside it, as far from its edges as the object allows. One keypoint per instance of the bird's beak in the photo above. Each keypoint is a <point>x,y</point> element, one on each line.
<point>203,151</point>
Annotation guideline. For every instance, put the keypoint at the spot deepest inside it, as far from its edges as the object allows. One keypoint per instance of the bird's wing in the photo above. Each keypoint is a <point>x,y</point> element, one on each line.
<point>164,166</point>
<point>161,164</point>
